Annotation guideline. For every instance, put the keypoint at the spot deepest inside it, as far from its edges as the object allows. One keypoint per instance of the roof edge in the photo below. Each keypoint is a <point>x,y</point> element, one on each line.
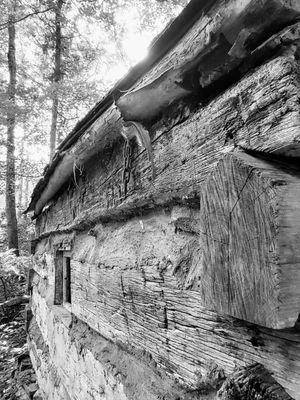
<point>164,42</point>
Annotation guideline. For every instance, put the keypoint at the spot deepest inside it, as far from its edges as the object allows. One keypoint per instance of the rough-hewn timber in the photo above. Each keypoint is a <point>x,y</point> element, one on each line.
<point>251,115</point>
<point>248,260</point>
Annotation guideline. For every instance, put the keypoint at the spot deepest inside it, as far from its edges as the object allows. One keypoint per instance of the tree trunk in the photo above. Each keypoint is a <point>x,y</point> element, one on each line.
<point>26,189</point>
<point>12,229</point>
<point>56,77</point>
<point>4,287</point>
<point>21,177</point>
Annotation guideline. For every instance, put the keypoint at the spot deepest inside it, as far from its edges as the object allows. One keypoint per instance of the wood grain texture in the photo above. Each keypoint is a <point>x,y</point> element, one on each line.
<point>84,365</point>
<point>249,230</point>
<point>126,286</point>
<point>252,114</point>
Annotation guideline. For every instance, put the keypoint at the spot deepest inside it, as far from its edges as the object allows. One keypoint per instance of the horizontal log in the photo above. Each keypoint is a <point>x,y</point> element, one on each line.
<point>88,366</point>
<point>252,115</point>
<point>105,130</point>
<point>150,100</point>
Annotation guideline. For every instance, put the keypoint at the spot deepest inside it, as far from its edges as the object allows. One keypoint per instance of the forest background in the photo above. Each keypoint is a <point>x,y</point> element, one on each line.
<point>57,59</point>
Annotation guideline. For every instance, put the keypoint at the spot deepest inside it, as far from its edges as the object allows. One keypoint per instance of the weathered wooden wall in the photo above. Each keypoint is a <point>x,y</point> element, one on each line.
<point>202,163</point>
<point>191,273</point>
<point>128,286</point>
<point>229,39</point>
<point>260,113</point>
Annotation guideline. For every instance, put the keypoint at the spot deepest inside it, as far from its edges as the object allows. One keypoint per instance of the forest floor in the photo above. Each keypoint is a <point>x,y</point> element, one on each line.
<point>17,377</point>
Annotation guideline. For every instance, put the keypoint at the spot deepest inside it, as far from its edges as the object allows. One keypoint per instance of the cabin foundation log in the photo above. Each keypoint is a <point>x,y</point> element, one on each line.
<point>114,371</point>
<point>129,371</point>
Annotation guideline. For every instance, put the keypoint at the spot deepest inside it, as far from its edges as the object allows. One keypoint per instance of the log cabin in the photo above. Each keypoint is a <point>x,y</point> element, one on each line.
<point>167,248</point>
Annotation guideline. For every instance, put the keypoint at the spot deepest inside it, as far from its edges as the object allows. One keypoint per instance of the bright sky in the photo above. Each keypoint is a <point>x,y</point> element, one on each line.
<point>133,44</point>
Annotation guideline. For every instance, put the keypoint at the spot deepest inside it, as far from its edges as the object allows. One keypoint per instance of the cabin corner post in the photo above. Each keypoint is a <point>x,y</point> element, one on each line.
<point>248,230</point>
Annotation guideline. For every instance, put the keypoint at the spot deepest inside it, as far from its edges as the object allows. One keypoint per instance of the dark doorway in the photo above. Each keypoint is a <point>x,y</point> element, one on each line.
<point>67,279</point>
<point>58,289</point>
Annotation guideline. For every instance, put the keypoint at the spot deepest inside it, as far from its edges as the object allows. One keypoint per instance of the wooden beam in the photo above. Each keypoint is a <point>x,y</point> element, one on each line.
<point>102,133</point>
<point>249,230</point>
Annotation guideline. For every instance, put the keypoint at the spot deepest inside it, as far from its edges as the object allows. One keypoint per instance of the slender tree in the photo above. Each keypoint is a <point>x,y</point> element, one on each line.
<point>21,179</point>
<point>12,228</point>
<point>56,75</point>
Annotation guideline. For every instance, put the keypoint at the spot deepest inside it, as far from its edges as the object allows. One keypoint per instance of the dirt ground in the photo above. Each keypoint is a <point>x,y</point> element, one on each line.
<point>17,377</point>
